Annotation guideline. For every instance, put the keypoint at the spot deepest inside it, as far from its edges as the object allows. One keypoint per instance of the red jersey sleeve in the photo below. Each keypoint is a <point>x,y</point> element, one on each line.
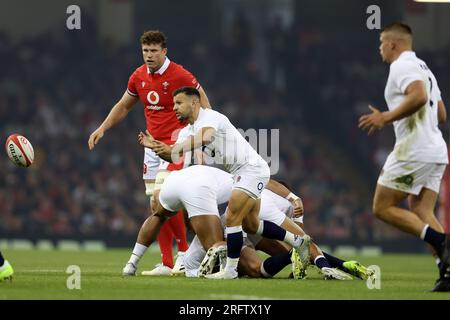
<point>187,79</point>
<point>131,88</point>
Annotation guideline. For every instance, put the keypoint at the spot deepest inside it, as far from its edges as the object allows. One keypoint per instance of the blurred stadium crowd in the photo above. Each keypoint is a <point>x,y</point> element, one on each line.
<point>56,90</point>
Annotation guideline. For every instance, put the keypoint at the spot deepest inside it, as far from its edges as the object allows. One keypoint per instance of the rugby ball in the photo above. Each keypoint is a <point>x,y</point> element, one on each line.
<point>19,150</point>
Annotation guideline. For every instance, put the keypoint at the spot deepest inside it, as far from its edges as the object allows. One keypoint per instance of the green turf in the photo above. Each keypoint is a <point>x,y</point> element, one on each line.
<point>42,275</point>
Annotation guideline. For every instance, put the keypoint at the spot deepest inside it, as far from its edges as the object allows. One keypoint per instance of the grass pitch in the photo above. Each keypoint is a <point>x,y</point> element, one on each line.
<point>42,275</point>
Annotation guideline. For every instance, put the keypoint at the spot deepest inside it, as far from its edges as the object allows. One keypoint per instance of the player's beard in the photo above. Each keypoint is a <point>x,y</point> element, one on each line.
<point>182,118</point>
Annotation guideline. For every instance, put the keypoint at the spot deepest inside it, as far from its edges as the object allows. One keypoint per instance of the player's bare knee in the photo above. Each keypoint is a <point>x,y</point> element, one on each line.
<point>376,210</point>
<point>254,270</point>
<point>250,223</point>
<point>380,211</point>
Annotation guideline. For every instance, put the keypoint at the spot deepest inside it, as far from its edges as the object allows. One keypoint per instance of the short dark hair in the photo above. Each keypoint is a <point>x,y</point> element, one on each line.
<point>154,37</point>
<point>189,91</point>
<point>399,27</point>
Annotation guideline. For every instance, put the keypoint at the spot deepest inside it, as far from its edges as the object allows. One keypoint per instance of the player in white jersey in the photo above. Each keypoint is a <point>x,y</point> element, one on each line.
<point>214,133</point>
<point>414,169</point>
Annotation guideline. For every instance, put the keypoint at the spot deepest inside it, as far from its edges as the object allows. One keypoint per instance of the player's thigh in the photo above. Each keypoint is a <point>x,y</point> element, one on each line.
<point>208,229</point>
<point>386,197</point>
<point>251,220</point>
<point>240,205</point>
<point>272,247</point>
<point>423,204</point>
<point>249,263</point>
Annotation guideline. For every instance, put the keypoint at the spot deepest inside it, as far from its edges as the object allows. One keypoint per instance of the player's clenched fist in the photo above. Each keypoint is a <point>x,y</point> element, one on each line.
<point>298,207</point>
<point>95,137</point>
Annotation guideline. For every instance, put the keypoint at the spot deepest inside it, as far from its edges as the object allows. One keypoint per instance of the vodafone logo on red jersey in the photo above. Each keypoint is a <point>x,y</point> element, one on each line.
<point>153,97</point>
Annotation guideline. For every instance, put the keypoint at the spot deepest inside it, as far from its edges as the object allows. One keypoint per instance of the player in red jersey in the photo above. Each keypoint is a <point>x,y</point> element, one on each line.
<point>153,83</point>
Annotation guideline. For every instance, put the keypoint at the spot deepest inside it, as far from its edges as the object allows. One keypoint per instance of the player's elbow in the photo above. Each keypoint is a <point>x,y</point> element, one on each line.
<point>442,112</point>
<point>442,117</point>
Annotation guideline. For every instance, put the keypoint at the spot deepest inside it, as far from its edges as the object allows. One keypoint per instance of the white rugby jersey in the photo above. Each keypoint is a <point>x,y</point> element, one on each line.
<point>418,137</point>
<point>229,148</point>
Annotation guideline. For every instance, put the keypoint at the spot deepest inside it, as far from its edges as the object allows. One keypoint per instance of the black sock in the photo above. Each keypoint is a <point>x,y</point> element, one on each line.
<point>275,264</point>
<point>234,244</point>
<point>436,239</point>
<point>334,261</point>
<point>272,231</point>
<point>321,262</point>
<point>2,260</point>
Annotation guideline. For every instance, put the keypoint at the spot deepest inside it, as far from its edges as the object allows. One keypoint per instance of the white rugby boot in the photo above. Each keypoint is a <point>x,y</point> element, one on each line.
<point>334,273</point>
<point>160,270</point>
<point>179,269</point>
<point>129,269</point>
<point>210,260</point>
<point>224,274</point>
<point>303,252</point>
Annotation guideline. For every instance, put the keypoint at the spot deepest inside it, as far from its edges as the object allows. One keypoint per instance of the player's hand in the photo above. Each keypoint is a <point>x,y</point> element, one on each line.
<point>146,139</point>
<point>161,149</point>
<point>153,205</point>
<point>298,207</point>
<point>95,137</point>
<point>373,121</point>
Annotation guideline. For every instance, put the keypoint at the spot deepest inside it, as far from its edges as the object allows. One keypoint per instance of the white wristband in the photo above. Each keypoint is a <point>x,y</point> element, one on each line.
<point>298,219</point>
<point>292,197</point>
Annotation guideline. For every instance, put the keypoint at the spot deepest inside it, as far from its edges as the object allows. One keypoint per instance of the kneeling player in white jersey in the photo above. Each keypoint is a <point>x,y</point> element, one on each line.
<point>214,133</point>
<point>414,169</point>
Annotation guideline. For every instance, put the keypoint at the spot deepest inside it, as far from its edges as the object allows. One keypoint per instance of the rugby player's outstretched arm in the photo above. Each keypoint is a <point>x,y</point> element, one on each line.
<point>117,114</point>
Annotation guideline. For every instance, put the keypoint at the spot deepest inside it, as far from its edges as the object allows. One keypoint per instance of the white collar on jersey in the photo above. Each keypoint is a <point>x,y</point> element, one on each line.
<point>407,53</point>
<point>163,67</point>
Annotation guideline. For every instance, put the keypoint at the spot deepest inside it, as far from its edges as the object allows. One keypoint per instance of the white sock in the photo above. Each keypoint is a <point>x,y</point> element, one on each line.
<point>292,239</point>
<point>260,227</point>
<point>424,232</point>
<point>138,252</point>
<point>232,264</point>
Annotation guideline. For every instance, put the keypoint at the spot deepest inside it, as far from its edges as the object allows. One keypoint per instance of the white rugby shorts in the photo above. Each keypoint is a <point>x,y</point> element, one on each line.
<point>411,177</point>
<point>152,164</point>
<point>198,195</point>
<point>252,179</point>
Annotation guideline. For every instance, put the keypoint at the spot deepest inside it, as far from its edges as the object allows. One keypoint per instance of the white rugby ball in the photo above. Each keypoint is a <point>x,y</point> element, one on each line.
<point>19,150</point>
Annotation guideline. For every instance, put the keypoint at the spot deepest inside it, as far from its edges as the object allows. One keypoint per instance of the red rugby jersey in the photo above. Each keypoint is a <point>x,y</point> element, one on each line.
<point>155,92</point>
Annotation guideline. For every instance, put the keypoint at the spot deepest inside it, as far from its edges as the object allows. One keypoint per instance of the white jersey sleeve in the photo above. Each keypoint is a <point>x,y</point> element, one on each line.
<point>210,120</point>
<point>404,73</point>
<point>229,148</point>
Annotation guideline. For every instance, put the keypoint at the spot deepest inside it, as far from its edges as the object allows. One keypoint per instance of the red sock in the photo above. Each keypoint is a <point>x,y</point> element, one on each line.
<point>165,244</point>
<point>179,230</point>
